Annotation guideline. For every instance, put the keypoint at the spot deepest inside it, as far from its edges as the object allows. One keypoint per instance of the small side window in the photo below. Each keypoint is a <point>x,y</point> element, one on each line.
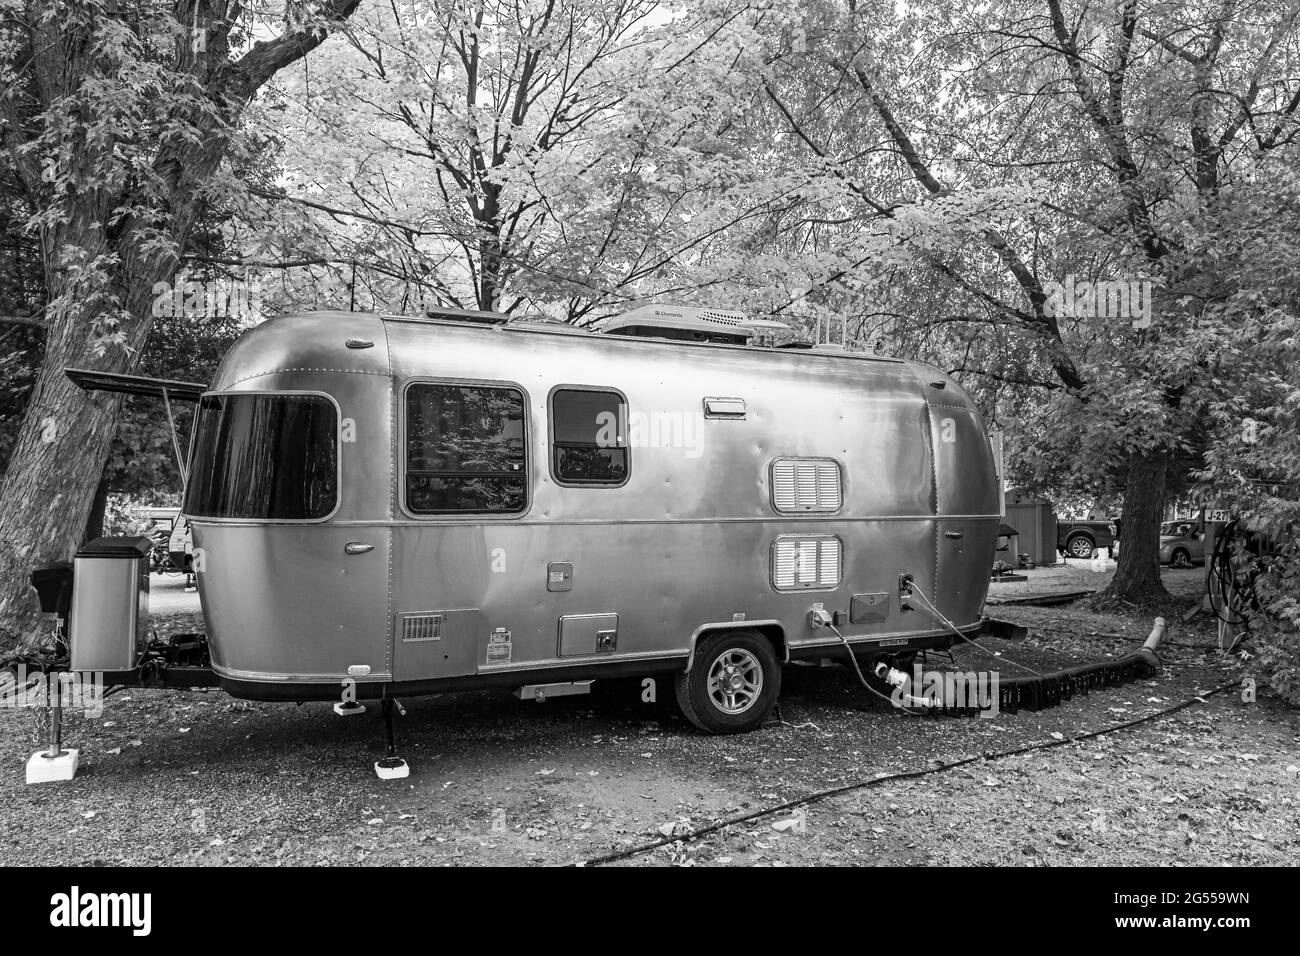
<point>588,440</point>
<point>806,485</point>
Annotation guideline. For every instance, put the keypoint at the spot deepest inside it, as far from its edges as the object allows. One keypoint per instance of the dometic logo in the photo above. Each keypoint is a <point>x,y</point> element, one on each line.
<point>75,909</point>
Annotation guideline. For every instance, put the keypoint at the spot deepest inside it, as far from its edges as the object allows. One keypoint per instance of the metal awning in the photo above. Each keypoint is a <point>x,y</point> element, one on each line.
<point>162,388</point>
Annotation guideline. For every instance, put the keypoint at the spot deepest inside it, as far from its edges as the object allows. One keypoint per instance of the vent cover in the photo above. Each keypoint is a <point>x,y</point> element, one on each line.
<point>805,484</point>
<point>724,408</point>
<point>425,626</point>
<point>801,561</point>
<point>722,318</point>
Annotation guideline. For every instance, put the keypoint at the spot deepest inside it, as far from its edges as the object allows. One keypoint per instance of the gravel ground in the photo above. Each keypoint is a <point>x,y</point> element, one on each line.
<point>199,778</point>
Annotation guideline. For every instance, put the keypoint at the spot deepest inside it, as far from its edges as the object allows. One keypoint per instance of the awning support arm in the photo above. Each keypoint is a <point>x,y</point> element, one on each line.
<point>171,428</point>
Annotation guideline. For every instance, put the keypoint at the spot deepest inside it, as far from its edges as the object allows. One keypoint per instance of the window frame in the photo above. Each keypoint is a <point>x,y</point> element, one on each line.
<point>550,436</point>
<point>402,452</point>
<point>266,393</point>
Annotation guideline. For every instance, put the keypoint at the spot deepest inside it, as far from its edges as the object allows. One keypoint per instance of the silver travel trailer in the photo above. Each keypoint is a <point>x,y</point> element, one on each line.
<point>386,506</point>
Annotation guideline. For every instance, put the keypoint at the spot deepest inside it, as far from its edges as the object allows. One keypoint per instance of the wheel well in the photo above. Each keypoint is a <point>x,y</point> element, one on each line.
<point>1080,534</point>
<point>771,630</point>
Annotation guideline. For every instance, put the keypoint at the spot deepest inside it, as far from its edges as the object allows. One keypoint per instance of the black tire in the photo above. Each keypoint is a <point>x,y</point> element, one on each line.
<point>1080,546</point>
<point>746,655</point>
<point>1181,558</point>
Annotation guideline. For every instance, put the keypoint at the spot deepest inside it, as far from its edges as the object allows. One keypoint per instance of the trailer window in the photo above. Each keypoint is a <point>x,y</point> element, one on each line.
<point>588,444</point>
<point>465,449</point>
<point>269,457</point>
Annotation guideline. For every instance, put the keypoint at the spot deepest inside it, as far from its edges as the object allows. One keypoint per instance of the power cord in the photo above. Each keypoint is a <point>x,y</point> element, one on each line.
<point>938,615</point>
<point>889,778</point>
<point>853,659</point>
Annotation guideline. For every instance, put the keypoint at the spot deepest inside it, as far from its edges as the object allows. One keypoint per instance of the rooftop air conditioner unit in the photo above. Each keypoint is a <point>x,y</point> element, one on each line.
<point>692,324</point>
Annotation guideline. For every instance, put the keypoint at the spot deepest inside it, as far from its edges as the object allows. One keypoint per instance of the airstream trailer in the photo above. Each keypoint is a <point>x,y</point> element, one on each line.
<point>388,506</point>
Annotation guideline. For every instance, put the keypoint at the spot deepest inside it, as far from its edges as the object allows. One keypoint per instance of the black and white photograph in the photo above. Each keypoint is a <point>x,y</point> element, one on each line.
<point>650,434</point>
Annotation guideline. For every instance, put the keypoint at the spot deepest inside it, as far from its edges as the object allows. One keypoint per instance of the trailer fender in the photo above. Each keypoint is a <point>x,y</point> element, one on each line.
<point>773,630</point>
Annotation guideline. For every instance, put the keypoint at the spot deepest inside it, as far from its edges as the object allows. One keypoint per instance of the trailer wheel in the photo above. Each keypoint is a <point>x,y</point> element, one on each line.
<point>733,683</point>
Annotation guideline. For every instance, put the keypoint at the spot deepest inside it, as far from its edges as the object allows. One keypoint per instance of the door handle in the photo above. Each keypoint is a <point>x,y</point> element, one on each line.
<point>358,547</point>
<point>952,534</point>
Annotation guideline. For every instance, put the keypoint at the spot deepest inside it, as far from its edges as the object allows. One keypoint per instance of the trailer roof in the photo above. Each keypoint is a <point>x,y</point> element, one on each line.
<point>540,328</point>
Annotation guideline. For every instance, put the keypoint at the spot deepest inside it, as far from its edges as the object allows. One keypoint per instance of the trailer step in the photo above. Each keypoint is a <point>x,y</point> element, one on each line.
<point>540,692</point>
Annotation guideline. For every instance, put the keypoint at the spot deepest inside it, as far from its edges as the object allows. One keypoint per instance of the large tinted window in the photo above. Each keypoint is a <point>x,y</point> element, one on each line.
<point>465,449</point>
<point>588,446</point>
<point>264,456</point>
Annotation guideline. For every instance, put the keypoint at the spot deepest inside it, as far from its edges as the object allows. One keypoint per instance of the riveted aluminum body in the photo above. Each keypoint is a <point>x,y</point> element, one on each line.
<point>685,544</point>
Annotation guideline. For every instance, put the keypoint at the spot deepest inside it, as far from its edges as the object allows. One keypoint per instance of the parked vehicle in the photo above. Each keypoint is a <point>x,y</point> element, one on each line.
<point>389,506</point>
<point>1079,539</point>
<point>173,551</point>
<point>1182,543</point>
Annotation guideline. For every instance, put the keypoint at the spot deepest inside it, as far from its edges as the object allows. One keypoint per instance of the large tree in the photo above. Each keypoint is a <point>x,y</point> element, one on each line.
<point>1014,147</point>
<point>115,118</point>
<point>561,156</point>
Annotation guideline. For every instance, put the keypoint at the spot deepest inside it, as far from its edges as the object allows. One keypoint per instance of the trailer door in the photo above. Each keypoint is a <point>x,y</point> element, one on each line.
<point>288,591</point>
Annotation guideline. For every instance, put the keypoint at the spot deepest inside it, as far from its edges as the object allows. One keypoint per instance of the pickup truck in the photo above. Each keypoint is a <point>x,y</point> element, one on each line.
<point>1079,539</point>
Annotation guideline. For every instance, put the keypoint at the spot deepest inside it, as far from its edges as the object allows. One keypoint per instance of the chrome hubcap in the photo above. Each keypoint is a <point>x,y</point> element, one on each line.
<point>735,681</point>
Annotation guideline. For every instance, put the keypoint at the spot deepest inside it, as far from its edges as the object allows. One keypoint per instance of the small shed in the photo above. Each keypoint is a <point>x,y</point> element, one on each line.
<point>1035,518</point>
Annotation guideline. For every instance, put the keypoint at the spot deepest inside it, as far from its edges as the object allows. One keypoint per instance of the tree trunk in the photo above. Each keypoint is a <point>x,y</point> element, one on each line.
<point>1137,573</point>
<point>99,215</point>
<point>48,488</point>
<point>58,460</point>
<point>95,523</point>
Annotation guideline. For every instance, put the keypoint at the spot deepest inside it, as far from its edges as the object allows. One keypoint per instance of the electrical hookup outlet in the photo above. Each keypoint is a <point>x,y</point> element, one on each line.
<point>392,768</point>
<point>42,768</point>
<point>905,591</point>
<point>350,709</point>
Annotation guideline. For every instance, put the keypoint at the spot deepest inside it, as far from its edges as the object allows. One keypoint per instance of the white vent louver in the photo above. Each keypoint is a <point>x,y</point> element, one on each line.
<point>806,484</point>
<point>722,318</point>
<point>806,561</point>
<point>422,627</point>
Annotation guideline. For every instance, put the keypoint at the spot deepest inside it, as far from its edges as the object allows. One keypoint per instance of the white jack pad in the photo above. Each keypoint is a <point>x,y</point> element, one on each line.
<point>392,768</point>
<point>42,768</point>
<point>349,710</point>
